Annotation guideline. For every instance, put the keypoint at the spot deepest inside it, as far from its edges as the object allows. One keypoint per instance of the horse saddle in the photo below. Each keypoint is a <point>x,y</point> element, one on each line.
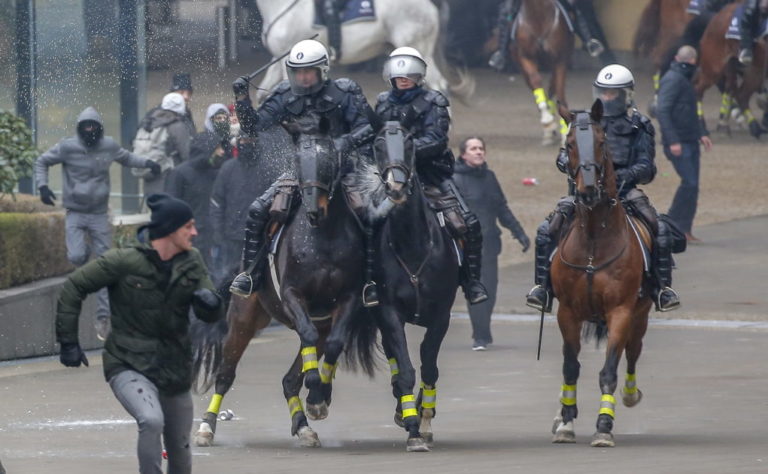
<point>563,12</point>
<point>353,11</point>
<point>644,238</point>
<point>734,28</point>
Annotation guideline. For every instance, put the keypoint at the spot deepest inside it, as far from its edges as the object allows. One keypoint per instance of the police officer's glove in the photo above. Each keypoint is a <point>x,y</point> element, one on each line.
<point>72,355</point>
<point>625,176</point>
<point>240,86</point>
<point>524,241</point>
<point>206,299</point>
<point>46,195</point>
<point>154,168</point>
<point>342,144</point>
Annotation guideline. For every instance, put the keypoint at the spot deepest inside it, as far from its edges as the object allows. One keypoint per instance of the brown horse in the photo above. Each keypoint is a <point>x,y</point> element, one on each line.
<point>661,25</point>
<point>718,61</point>
<point>542,33</point>
<point>597,275</point>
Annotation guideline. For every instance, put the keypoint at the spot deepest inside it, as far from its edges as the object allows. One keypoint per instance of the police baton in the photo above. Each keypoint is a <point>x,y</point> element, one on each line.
<point>263,68</point>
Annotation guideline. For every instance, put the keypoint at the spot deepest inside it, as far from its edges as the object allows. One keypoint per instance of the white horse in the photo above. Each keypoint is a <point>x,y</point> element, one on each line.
<point>414,23</point>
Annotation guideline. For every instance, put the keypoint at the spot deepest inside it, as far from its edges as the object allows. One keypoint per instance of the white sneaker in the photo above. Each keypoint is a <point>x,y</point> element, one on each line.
<point>479,347</point>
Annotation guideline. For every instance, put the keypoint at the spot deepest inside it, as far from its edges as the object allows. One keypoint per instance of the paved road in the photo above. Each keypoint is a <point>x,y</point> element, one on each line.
<point>703,412</point>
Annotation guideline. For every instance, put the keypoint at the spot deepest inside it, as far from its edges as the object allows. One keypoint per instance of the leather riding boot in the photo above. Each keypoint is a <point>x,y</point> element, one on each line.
<point>507,15</point>
<point>666,299</point>
<point>333,25</point>
<point>370,292</point>
<point>252,276</point>
<point>584,30</point>
<point>474,290</point>
<point>745,56</point>
<point>540,298</point>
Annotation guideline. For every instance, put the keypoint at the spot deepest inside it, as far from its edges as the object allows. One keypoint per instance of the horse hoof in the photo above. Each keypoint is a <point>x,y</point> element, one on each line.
<point>602,440</point>
<point>632,399</point>
<point>308,438</point>
<point>317,412</point>
<point>399,419</point>
<point>417,445</point>
<point>204,436</point>
<point>557,421</point>
<point>564,433</point>
<point>429,438</point>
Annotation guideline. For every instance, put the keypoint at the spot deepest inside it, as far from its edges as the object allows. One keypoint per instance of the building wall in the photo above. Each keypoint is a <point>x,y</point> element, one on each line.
<point>619,19</point>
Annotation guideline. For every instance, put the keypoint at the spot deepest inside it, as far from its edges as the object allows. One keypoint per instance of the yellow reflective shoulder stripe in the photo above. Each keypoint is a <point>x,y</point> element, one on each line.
<point>294,405</point>
<point>215,404</point>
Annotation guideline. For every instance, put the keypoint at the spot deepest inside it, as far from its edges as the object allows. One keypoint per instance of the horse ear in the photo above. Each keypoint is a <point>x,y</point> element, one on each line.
<point>564,112</point>
<point>597,110</point>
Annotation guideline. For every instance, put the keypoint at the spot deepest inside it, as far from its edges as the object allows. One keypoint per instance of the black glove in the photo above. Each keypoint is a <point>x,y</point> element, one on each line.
<point>626,176</point>
<point>46,195</point>
<point>342,144</point>
<point>240,86</point>
<point>72,355</point>
<point>206,299</point>
<point>154,168</point>
<point>524,241</point>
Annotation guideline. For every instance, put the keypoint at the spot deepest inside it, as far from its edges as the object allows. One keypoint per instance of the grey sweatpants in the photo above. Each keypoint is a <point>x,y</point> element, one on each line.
<point>81,227</point>
<point>156,415</point>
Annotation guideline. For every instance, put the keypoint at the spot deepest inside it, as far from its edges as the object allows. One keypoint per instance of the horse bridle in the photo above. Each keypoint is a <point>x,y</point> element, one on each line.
<point>585,142</point>
<point>330,187</point>
<point>392,139</point>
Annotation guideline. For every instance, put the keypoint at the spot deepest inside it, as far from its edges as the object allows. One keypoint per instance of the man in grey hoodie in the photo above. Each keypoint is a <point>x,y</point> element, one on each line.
<point>86,159</point>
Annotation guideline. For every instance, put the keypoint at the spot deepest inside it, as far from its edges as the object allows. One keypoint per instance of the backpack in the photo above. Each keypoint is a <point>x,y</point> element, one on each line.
<point>152,143</point>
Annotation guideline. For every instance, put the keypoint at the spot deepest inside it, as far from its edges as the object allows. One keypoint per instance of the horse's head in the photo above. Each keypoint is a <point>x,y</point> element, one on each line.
<point>318,166</point>
<point>588,163</point>
<point>395,153</point>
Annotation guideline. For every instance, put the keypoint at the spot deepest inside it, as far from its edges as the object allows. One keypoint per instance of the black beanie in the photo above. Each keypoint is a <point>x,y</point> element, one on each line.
<point>168,215</point>
<point>181,82</point>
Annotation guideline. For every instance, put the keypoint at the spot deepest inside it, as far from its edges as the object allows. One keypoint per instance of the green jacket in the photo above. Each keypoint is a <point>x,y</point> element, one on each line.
<point>150,312</point>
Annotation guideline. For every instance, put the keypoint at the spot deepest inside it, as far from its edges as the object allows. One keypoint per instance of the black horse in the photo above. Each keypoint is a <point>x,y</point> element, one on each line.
<point>315,289</point>
<point>417,268</point>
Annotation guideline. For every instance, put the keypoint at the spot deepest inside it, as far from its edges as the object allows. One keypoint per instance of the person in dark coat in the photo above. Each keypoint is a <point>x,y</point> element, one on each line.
<point>483,195</point>
<point>681,133</point>
<point>192,182</point>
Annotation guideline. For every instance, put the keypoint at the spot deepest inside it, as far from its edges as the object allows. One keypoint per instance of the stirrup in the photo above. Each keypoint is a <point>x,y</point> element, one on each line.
<point>370,295</point>
<point>675,300</point>
<point>745,57</point>
<point>498,60</point>
<point>535,303</point>
<point>595,48</point>
<point>240,291</point>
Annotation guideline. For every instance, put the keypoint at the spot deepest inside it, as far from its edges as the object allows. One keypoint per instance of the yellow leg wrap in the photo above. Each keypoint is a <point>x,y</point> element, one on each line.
<point>408,404</point>
<point>428,396</point>
<point>215,404</point>
<point>749,116</point>
<point>699,109</point>
<point>563,128</point>
<point>309,358</point>
<point>540,96</point>
<point>608,405</point>
<point>294,405</point>
<point>568,395</point>
<point>725,104</point>
<point>656,81</point>
<point>328,372</point>
<point>393,368</point>
<point>630,384</point>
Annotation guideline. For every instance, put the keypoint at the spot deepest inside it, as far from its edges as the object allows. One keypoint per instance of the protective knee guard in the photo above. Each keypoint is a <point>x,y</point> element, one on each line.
<point>473,250</point>
<point>663,262</point>
<point>560,217</point>
<point>541,257</point>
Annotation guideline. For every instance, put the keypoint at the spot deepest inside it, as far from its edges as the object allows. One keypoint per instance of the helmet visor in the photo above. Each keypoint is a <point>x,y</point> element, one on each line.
<point>304,80</point>
<point>404,66</point>
<point>615,101</point>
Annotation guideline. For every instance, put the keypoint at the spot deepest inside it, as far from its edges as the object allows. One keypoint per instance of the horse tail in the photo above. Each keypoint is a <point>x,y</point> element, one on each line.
<point>461,83</point>
<point>647,29</point>
<point>597,330</point>
<point>361,342</point>
<point>207,345</point>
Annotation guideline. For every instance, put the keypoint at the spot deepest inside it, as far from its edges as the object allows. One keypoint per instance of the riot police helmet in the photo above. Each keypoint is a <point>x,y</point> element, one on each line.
<point>307,55</point>
<point>405,62</point>
<point>614,86</point>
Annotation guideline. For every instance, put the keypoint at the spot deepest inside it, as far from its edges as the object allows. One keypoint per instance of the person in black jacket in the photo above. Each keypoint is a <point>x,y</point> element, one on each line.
<point>192,182</point>
<point>483,195</point>
<point>681,132</point>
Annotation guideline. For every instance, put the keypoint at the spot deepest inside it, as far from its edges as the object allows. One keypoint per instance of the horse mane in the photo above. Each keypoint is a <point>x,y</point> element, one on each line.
<point>368,181</point>
<point>647,32</point>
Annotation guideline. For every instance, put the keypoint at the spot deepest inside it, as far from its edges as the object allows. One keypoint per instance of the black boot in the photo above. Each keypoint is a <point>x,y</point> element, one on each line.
<point>507,14</point>
<point>252,277</point>
<point>370,293</point>
<point>540,298</point>
<point>474,290</point>
<point>333,25</point>
<point>666,298</point>
<point>585,30</point>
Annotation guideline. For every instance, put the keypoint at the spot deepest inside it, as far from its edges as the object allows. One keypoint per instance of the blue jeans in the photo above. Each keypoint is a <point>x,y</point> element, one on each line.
<point>683,208</point>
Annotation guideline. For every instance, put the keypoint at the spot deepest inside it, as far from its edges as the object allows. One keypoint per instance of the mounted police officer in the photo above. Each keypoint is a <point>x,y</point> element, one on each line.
<point>753,15</point>
<point>630,139</point>
<point>428,117</point>
<point>307,99</point>
<point>586,27</point>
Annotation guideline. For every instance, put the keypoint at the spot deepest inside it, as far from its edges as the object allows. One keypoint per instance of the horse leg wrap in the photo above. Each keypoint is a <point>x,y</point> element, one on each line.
<point>393,368</point>
<point>630,384</point>
<point>542,103</point>
<point>607,405</point>
<point>215,404</point>
<point>294,405</point>
<point>725,106</point>
<point>568,395</point>
<point>408,405</point>
<point>309,358</point>
<point>328,372</point>
<point>428,396</point>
